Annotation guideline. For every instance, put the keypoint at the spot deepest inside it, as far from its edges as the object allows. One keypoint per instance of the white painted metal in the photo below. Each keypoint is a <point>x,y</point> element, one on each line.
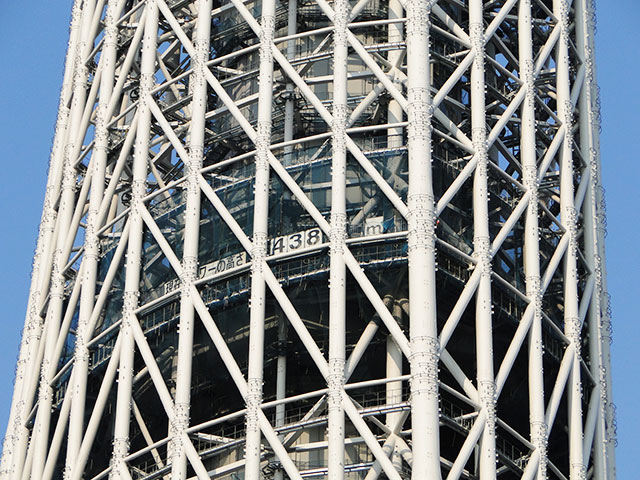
<point>398,132</point>
<point>394,421</point>
<point>572,324</point>
<point>259,244</point>
<point>338,235</point>
<point>134,244</point>
<point>421,246</point>
<point>55,307</point>
<point>92,248</point>
<point>191,239</point>
<point>538,429</point>
<point>593,211</point>
<point>15,444</point>
<point>482,245</point>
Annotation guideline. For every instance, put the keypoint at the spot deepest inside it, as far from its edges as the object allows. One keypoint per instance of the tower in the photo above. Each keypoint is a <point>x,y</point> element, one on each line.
<point>307,239</point>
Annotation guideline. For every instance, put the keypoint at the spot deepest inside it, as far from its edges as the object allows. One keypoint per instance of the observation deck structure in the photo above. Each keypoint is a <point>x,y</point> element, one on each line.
<point>309,239</point>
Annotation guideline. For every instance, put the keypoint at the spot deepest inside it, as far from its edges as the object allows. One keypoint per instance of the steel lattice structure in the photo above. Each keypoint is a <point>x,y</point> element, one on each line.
<point>304,239</point>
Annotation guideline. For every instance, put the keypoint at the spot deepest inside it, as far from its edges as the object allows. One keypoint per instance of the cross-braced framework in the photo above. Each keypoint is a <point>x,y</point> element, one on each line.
<point>315,239</point>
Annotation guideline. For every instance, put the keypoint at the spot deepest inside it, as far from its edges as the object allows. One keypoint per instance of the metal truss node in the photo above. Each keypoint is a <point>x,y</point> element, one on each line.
<point>345,239</point>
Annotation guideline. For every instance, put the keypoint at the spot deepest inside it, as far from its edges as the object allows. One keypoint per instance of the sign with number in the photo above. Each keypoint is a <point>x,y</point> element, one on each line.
<point>295,241</point>
<point>277,245</point>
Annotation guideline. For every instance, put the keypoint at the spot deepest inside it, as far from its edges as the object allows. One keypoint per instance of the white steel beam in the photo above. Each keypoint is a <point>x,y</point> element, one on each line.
<point>134,246</point>
<point>421,249</point>
<point>482,246</point>
<point>193,165</point>
<point>338,235</point>
<point>172,100</point>
<point>65,212</point>
<point>92,249</point>
<point>568,216</point>
<point>593,212</point>
<point>529,160</point>
<point>253,448</point>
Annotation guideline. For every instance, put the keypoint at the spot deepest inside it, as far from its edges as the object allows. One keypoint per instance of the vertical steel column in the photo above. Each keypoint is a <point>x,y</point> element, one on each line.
<point>425,421</point>
<point>260,232</point>
<point>393,390</point>
<point>16,438</point>
<point>604,451</point>
<point>40,352</point>
<point>482,243</point>
<point>108,378</point>
<point>281,382</point>
<point>590,249</point>
<point>528,158</point>
<point>90,260</point>
<point>394,110</point>
<point>66,206</point>
<point>338,272</point>
<point>599,215</point>
<point>193,165</point>
<point>289,105</point>
<point>134,246</point>
<point>394,140</point>
<point>568,214</point>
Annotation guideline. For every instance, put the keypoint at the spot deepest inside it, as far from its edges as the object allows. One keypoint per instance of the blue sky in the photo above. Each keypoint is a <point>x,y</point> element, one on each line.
<point>31,84</point>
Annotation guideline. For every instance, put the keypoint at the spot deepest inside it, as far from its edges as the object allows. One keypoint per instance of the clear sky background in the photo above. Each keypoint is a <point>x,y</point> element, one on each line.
<point>34,42</point>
